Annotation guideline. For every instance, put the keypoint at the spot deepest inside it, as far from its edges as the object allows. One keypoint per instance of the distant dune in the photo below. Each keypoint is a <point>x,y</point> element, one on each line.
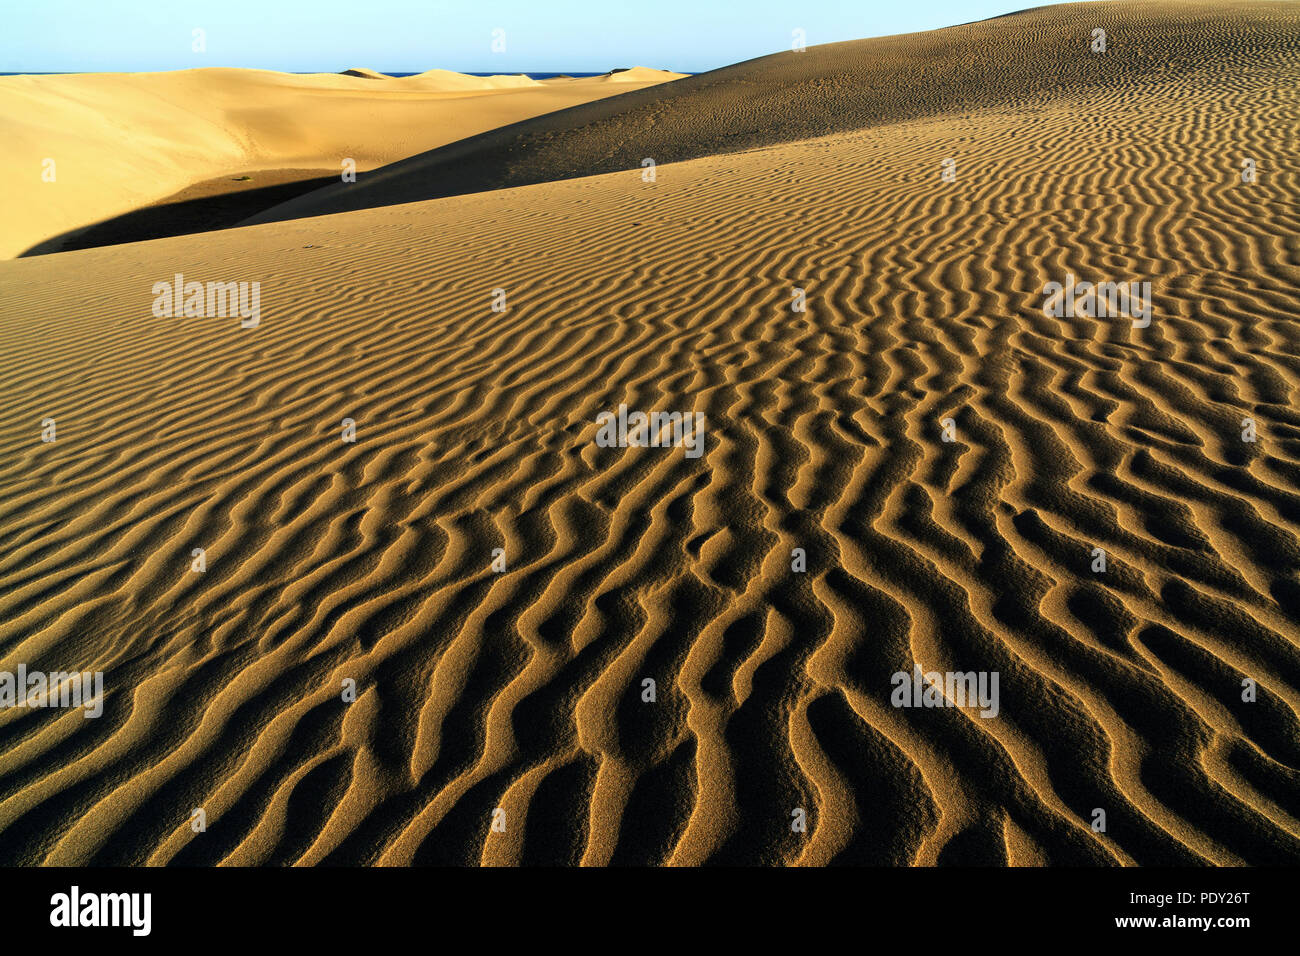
<point>569,653</point>
<point>121,141</point>
<point>639,74</point>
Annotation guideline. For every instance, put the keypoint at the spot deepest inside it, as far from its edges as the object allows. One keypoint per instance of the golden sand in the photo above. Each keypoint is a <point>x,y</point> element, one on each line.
<point>521,690</point>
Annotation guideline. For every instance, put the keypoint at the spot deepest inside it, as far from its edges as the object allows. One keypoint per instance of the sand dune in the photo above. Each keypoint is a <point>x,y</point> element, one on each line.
<point>121,141</point>
<point>843,87</point>
<point>637,74</point>
<point>522,689</point>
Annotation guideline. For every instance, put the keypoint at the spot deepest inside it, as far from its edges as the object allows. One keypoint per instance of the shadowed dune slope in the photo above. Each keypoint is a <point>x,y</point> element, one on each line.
<point>521,687</point>
<point>1018,62</point>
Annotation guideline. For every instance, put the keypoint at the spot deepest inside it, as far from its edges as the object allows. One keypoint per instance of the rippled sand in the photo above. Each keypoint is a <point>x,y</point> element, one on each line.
<point>522,689</point>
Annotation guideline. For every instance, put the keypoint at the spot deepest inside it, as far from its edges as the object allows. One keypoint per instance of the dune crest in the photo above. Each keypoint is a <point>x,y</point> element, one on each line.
<point>117,142</point>
<point>844,87</point>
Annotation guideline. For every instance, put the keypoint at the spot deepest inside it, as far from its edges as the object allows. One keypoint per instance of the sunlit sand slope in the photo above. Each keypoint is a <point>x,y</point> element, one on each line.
<point>520,687</point>
<point>80,148</point>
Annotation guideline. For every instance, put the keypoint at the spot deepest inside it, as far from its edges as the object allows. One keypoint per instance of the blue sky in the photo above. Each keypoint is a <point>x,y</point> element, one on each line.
<point>413,35</point>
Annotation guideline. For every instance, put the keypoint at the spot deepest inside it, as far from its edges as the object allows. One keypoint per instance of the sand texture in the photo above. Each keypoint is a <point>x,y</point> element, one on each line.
<point>521,689</point>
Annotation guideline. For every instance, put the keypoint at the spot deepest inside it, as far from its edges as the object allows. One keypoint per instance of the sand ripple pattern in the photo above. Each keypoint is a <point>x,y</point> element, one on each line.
<point>522,689</point>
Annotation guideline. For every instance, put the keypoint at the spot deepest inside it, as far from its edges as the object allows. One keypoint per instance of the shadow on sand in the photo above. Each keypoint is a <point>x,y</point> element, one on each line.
<point>204,207</point>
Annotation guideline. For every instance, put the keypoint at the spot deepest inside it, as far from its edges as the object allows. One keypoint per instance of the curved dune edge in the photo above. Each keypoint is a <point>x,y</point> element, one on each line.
<point>838,88</point>
<point>120,141</point>
<point>521,690</point>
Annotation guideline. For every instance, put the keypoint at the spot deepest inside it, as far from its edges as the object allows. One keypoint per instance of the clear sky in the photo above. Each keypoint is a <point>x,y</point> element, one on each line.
<point>413,35</point>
